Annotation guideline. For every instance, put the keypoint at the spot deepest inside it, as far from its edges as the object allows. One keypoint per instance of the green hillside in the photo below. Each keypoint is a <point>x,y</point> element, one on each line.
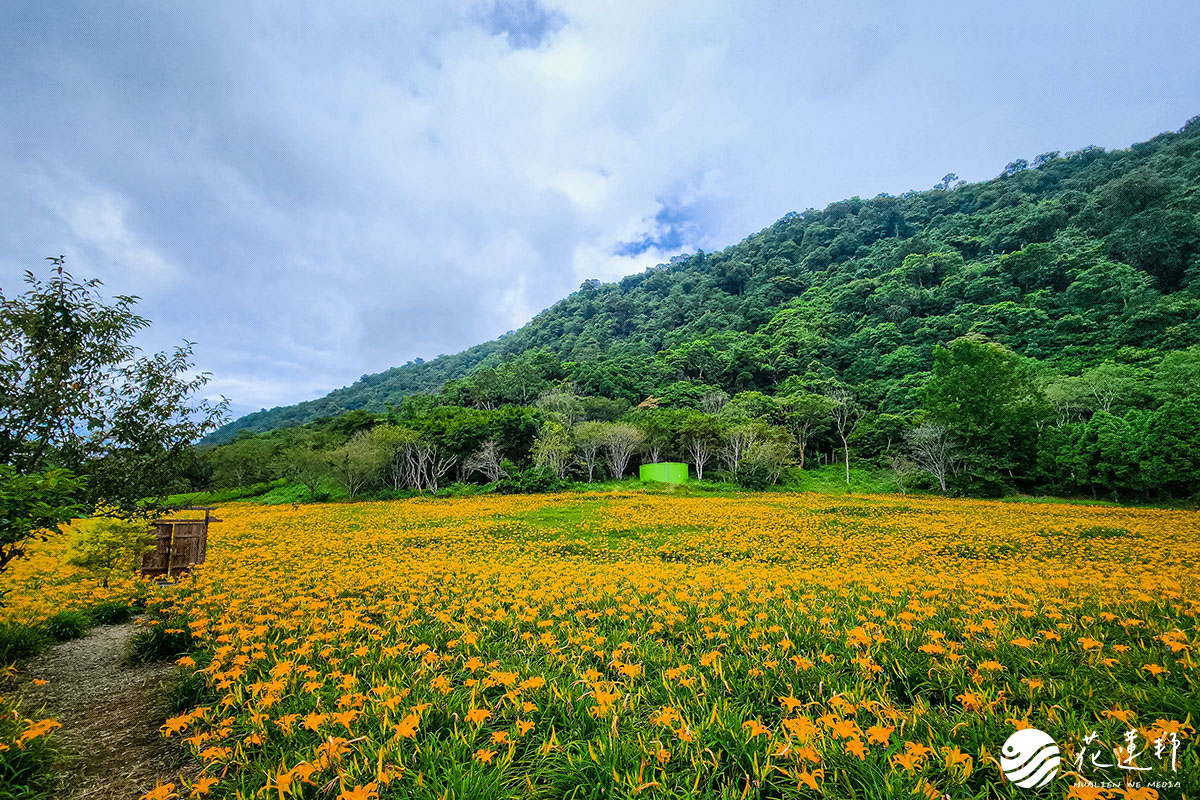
<point>372,392</point>
<point>1082,264</point>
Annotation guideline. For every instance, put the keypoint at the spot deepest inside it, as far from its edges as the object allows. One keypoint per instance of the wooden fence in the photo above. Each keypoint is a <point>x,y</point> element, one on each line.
<point>179,544</point>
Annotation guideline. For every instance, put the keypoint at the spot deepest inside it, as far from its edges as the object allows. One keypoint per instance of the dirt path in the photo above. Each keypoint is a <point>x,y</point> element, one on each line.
<point>110,714</point>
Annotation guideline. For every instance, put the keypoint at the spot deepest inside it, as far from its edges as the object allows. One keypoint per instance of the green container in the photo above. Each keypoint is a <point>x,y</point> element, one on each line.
<point>664,472</point>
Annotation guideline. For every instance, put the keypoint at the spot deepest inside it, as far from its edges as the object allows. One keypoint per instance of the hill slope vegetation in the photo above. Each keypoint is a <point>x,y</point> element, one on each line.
<point>1038,320</point>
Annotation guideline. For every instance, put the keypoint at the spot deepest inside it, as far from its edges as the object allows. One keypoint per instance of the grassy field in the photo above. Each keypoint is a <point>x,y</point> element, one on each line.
<point>663,645</point>
<point>827,479</point>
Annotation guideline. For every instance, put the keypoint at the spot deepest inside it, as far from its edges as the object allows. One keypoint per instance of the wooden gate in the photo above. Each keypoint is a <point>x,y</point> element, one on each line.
<point>178,544</point>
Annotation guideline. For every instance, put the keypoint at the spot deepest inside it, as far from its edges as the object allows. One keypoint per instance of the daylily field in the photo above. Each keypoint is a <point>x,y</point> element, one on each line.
<point>636,645</point>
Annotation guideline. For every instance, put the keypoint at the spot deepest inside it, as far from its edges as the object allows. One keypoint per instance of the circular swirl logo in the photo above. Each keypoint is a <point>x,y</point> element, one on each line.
<point>1029,758</point>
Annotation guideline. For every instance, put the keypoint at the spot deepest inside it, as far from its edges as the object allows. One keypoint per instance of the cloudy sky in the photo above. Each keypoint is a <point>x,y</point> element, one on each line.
<point>316,191</point>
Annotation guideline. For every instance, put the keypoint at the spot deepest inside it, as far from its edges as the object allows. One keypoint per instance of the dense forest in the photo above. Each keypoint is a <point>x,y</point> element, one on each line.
<point>1037,332</point>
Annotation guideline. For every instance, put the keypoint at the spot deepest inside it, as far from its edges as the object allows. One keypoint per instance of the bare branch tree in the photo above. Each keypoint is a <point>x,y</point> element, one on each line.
<point>738,439</point>
<point>432,465</point>
<point>933,449</point>
<point>700,451</point>
<point>620,445</point>
<point>903,470</point>
<point>589,443</point>
<point>846,413</point>
<point>486,460</point>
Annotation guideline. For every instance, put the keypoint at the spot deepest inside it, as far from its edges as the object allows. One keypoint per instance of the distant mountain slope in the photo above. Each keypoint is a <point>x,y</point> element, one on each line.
<point>1072,259</point>
<point>373,392</point>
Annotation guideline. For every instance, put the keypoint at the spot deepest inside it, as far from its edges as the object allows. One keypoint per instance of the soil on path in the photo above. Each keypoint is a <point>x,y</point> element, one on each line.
<point>110,712</point>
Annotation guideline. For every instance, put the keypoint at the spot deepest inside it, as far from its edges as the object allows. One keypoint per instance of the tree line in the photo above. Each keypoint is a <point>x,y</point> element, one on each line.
<point>987,421</point>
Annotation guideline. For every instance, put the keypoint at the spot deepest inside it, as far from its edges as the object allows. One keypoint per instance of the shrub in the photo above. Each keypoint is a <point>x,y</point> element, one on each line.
<point>112,613</point>
<point>20,641</point>
<point>157,643</point>
<point>531,481</point>
<point>105,546</point>
<point>67,625</point>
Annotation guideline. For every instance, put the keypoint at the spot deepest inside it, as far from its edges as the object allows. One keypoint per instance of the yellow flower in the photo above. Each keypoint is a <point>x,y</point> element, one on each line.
<point>755,727</point>
<point>368,792</point>
<point>36,730</point>
<point>162,791</point>
<point>879,734</point>
<point>202,786</point>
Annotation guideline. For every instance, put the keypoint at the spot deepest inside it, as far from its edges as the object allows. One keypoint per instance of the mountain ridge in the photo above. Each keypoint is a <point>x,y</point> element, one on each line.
<point>995,257</point>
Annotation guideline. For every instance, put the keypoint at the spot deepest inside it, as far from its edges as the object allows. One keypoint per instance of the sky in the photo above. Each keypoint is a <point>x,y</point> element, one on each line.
<point>315,191</point>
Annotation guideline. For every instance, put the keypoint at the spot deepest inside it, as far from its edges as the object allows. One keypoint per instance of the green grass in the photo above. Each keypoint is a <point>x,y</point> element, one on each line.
<point>68,624</point>
<point>831,479</point>
<point>826,479</point>
<point>218,496</point>
<point>283,495</point>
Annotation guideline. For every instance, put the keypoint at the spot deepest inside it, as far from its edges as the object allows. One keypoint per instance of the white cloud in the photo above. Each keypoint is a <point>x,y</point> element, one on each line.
<point>316,192</point>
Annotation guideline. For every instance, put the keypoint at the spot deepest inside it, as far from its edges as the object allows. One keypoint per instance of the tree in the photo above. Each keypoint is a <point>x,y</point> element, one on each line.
<point>947,180</point>
<point>563,401</point>
<point>552,449</point>
<point>804,414</point>
<point>764,462</point>
<point>738,440</point>
<point>246,460</point>
<point>486,460</point>
<point>845,413</point>
<point>357,463</point>
<point>1168,454</point>
<point>751,405</point>
<point>700,433</point>
<point>396,446</point>
<point>77,394</point>
<point>659,427</point>
<point>982,392</point>
<point>305,467</point>
<point>590,438</point>
<point>105,546</point>
<point>33,507</point>
<point>694,359</point>
<point>933,450</point>
<point>1067,397</point>
<point>1042,159</point>
<point>1109,383</point>
<point>620,443</point>
<point>1178,374</point>
<point>903,470</point>
<point>711,402</point>
<point>1013,167</point>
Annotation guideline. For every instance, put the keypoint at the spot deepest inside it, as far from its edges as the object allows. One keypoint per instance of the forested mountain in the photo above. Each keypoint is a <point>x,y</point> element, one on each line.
<point>371,392</point>
<point>1083,269</point>
<point>1073,258</point>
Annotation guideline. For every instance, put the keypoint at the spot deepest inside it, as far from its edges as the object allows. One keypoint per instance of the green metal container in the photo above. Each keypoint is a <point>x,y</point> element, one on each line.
<point>664,472</point>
